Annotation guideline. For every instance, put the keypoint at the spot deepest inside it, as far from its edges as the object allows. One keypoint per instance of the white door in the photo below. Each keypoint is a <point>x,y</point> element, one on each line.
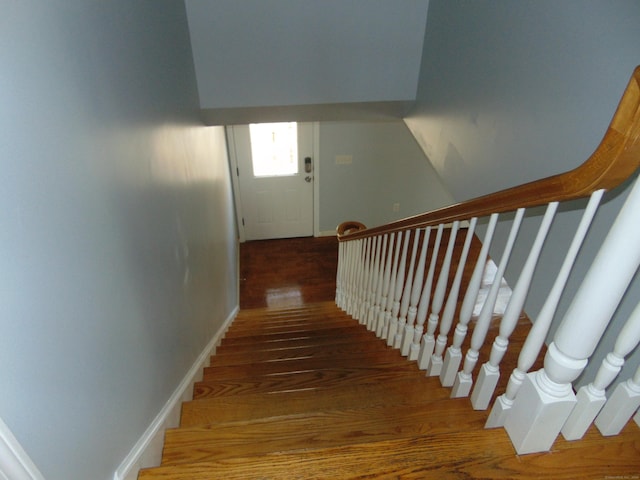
<point>274,170</point>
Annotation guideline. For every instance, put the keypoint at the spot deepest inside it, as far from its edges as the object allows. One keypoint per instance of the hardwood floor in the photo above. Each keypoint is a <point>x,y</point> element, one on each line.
<point>298,389</point>
<point>287,272</point>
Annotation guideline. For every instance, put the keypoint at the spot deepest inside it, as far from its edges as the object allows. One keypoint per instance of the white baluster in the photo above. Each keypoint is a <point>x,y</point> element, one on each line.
<point>351,280</point>
<point>366,275</point>
<point>357,284</point>
<point>375,311</point>
<point>435,365</point>
<point>345,277</point>
<point>546,397</point>
<point>392,289</point>
<point>453,357</point>
<point>415,295</point>
<point>490,371</point>
<point>428,340</point>
<point>406,294</point>
<point>339,274</point>
<point>591,398</point>
<point>393,325</point>
<point>540,328</point>
<point>425,298</point>
<point>361,279</point>
<point>385,287</point>
<point>373,276</point>
<point>464,381</point>
<point>619,409</point>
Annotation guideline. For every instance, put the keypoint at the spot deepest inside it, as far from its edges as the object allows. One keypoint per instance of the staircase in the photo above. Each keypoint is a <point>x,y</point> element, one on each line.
<point>307,392</point>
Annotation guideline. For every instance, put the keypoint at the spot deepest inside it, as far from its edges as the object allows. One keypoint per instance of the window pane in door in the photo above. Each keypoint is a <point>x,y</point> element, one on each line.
<point>274,149</point>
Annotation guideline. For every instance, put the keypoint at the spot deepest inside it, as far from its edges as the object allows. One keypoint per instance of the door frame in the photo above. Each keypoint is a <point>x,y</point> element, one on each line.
<point>233,171</point>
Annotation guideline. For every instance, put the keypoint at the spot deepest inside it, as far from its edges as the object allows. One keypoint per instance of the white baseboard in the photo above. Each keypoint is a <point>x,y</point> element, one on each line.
<point>327,233</point>
<point>147,451</point>
<point>15,464</point>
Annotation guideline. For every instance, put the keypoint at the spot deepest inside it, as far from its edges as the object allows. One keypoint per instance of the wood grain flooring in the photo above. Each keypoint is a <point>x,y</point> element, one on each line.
<point>302,391</point>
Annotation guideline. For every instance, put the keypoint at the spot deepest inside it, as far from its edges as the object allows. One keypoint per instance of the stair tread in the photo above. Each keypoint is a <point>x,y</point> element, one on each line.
<point>318,429</point>
<point>255,328</point>
<point>358,345</point>
<point>296,333</point>
<point>316,379</point>
<point>340,337</point>
<point>223,372</point>
<point>472,454</point>
<point>403,391</point>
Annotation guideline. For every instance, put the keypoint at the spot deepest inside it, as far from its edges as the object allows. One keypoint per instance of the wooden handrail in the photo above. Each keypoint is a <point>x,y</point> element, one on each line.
<point>349,227</point>
<point>614,160</point>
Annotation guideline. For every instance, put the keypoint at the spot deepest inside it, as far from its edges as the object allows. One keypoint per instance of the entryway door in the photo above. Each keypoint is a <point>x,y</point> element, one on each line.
<point>274,185</point>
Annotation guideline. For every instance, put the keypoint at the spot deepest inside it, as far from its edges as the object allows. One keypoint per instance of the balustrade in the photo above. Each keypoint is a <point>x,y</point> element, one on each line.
<point>381,281</point>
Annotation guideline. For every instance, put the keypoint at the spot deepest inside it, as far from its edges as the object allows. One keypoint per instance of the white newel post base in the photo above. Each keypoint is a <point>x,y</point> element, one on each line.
<point>414,351</point>
<point>499,413</point>
<point>537,415</point>
<point>451,365</point>
<point>426,350</point>
<point>435,367</point>
<point>397,341</point>
<point>624,401</point>
<point>462,385</point>
<point>393,329</point>
<point>589,403</point>
<point>407,340</point>
<point>485,386</point>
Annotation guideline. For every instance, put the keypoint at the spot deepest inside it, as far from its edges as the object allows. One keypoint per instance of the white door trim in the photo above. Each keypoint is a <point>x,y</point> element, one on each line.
<point>233,170</point>
<point>15,464</point>
<point>316,179</point>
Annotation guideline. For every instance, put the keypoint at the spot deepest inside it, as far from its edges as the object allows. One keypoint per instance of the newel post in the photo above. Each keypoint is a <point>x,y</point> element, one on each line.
<point>546,398</point>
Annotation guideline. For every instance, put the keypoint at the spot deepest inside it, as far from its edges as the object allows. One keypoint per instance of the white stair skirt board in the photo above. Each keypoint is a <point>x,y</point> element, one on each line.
<point>147,452</point>
<point>15,464</point>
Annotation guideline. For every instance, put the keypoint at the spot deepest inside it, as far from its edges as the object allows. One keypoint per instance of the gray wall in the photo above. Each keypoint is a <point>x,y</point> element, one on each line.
<point>117,239</point>
<point>387,167</point>
<point>297,52</point>
<point>515,91</point>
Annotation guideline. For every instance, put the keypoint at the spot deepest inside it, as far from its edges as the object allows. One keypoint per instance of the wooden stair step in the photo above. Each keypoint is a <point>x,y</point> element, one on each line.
<point>476,453</point>
<point>269,313</point>
<point>254,328</point>
<point>355,346</point>
<point>275,321</point>
<point>315,379</point>
<point>317,430</point>
<point>341,336</point>
<point>270,337</point>
<point>398,392</point>
<point>350,359</point>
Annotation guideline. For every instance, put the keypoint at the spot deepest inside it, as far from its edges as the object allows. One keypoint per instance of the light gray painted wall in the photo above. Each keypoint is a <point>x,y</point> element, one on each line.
<point>515,91</point>
<point>111,191</point>
<point>388,167</point>
<point>257,53</point>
